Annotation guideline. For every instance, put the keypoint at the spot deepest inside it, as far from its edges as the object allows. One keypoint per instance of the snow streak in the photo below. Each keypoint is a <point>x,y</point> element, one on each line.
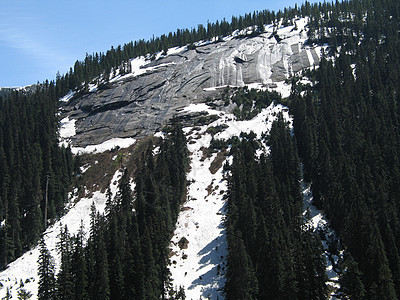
<point>198,247</point>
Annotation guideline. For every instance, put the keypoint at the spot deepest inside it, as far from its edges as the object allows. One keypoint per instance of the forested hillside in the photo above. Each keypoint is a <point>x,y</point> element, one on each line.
<point>347,130</point>
<point>126,255</point>
<point>346,125</point>
<point>273,254</point>
<point>31,163</point>
<point>344,142</point>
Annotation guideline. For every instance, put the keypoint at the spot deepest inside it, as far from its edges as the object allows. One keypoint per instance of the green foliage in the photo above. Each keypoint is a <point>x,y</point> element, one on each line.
<point>214,130</point>
<point>46,272</point>
<point>346,129</point>
<point>250,102</point>
<point>23,294</point>
<point>65,277</point>
<point>241,278</point>
<point>267,243</point>
<point>347,135</point>
<point>126,256</point>
<point>351,280</point>
<point>29,152</point>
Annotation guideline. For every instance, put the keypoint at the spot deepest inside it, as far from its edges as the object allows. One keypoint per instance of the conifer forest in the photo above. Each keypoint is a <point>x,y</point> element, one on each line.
<point>343,141</point>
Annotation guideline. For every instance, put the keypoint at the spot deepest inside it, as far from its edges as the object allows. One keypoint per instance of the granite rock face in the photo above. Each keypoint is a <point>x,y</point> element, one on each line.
<point>138,105</point>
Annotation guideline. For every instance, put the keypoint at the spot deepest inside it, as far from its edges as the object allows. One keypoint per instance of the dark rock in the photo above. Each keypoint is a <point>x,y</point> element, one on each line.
<point>141,105</point>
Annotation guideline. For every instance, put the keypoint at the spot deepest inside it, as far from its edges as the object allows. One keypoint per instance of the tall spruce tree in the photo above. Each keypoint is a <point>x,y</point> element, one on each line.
<point>65,283</point>
<point>46,273</point>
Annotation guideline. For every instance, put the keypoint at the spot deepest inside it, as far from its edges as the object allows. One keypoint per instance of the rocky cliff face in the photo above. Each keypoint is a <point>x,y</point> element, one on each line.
<point>138,104</point>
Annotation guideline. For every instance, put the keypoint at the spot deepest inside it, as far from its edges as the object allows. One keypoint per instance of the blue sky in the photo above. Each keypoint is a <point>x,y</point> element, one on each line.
<point>39,38</point>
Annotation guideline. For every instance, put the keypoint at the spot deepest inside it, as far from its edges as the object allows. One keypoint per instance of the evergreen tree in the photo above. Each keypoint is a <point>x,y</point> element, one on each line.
<point>241,278</point>
<point>101,268</point>
<point>65,282</point>
<point>79,267</point>
<point>23,294</point>
<point>8,294</point>
<point>46,272</point>
<point>351,284</point>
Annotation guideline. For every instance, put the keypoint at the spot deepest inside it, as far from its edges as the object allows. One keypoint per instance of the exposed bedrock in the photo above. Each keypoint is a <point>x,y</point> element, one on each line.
<point>138,106</point>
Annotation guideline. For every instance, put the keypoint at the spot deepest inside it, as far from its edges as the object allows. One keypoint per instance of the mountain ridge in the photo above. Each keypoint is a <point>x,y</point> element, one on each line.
<point>88,120</point>
<point>338,152</point>
<point>158,89</point>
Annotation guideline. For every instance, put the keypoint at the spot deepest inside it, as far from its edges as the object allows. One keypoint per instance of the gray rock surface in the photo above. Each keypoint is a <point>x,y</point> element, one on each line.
<point>139,105</point>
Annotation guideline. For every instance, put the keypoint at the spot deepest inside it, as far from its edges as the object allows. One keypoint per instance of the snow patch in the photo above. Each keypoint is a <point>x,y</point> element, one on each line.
<point>84,168</point>
<point>107,145</point>
<point>67,130</point>
<point>318,221</point>
<point>136,65</point>
<point>176,50</point>
<point>199,267</point>
<point>67,97</point>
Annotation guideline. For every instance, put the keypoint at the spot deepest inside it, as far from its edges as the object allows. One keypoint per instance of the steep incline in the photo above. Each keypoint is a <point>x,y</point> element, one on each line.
<point>139,103</point>
<point>25,269</point>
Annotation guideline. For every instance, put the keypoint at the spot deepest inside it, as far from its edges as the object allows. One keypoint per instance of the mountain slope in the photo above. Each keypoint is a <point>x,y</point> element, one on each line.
<point>199,242</point>
<point>345,130</point>
<point>23,272</point>
<point>139,103</point>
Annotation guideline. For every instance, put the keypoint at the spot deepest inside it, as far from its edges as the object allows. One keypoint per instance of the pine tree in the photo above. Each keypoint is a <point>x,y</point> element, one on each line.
<point>102,290</point>
<point>65,282</point>
<point>8,294</point>
<point>241,279</point>
<point>46,273</point>
<point>90,252</point>
<point>23,294</point>
<point>116,248</point>
<point>351,284</point>
<point>79,267</point>
<point>134,265</point>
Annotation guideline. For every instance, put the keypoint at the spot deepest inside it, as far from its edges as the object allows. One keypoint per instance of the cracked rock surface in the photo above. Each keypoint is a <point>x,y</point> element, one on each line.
<point>139,105</point>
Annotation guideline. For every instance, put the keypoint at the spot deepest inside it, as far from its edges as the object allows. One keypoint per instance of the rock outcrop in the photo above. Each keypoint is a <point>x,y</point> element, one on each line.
<point>136,106</point>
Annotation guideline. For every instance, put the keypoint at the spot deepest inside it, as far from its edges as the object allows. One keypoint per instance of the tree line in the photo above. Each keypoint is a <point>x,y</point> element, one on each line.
<point>29,153</point>
<point>98,67</point>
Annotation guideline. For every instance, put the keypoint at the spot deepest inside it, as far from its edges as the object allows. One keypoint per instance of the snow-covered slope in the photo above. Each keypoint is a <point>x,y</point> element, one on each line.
<point>199,243</point>
<point>141,102</point>
<point>24,269</point>
<point>198,246</point>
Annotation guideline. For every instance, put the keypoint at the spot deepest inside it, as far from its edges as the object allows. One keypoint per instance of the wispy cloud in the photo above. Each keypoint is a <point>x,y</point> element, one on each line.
<point>22,34</point>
